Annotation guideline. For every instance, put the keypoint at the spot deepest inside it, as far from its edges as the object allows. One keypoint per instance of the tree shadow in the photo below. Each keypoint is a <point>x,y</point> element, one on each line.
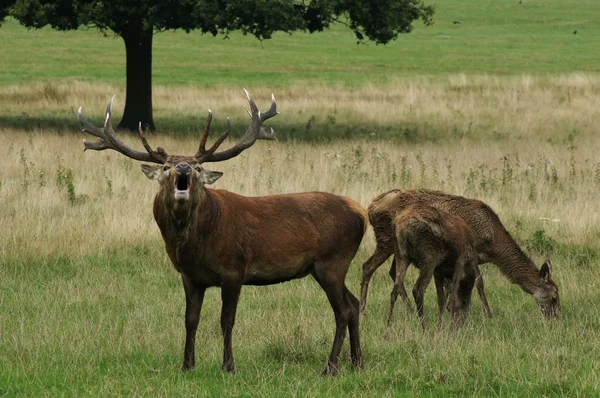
<point>192,126</point>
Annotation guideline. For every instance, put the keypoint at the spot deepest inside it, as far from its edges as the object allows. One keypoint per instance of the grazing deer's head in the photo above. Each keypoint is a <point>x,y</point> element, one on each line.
<point>181,178</point>
<point>547,294</point>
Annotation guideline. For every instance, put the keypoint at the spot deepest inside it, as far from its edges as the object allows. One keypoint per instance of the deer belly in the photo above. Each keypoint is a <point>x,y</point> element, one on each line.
<point>258,274</point>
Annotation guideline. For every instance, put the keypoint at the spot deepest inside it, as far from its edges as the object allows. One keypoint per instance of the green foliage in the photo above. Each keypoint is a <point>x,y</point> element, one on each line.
<point>541,243</point>
<point>4,10</point>
<point>26,165</point>
<point>66,180</point>
<point>382,21</point>
<point>375,20</point>
<point>41,178</point>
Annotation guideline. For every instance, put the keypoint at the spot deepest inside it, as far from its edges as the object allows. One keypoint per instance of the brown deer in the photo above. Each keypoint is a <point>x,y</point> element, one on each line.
<point>440,245</point>
<point>218,238</point>
<point>492,242</point>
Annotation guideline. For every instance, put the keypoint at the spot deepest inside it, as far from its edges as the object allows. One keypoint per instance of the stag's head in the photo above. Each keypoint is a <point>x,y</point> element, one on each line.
<point>546,295</point>
<point>181,178</point>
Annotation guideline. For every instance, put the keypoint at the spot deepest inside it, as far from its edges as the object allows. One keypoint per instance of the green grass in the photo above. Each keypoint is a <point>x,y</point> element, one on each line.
<point>494,37</point>
<point>113,324</point>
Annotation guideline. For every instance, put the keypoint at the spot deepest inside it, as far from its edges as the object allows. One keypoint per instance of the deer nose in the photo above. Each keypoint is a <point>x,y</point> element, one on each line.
<point>183,168</point>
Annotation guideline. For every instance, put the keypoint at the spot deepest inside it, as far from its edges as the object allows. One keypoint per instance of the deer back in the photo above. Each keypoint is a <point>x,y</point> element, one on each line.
<point>421,230</point>
<point>481,220</point>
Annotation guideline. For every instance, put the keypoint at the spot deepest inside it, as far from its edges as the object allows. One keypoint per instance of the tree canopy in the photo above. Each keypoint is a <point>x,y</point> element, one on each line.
<point>137,20</point>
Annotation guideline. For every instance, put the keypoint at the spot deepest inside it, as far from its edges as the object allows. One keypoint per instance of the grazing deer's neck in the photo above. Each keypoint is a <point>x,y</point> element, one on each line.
<point>515,264</point>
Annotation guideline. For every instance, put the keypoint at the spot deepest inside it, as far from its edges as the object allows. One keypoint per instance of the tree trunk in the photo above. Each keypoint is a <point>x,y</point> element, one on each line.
<point>138,101</point>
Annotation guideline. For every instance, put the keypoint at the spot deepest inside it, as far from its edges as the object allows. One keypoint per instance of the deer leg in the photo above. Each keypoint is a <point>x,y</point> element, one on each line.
<point>353,329</point>
<point>400,265</point>
<point>401,268</point>
<point>369,267</point>
<point>425,274</point>
<point>392,271</point>
<point>194,296</point>
<point>462,294</point>
<point>454,304</point>
<point>334,288</point>
<point>487,311</point>
<point>441,296</point>
<point>230,294</point>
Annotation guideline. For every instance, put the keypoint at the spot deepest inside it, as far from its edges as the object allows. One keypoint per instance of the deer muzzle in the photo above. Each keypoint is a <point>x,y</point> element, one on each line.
<point>183,181</point>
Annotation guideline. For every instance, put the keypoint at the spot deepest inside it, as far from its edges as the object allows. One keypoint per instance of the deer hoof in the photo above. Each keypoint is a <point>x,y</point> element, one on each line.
<point>229,368</point>
<point>330,370</point>
<point>358,364</point>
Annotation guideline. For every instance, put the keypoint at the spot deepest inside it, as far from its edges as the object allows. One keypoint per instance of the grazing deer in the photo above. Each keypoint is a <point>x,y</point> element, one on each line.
<point>440,245</point>
<point>218,238</point>
<point>492,241</point>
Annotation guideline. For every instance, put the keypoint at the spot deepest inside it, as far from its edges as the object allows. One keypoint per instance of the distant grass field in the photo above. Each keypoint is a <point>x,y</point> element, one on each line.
<point>499,37</point>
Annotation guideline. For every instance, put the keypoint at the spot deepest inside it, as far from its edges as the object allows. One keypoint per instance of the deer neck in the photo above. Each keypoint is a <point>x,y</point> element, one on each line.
<point>180,219</point>
<point>515,264</point>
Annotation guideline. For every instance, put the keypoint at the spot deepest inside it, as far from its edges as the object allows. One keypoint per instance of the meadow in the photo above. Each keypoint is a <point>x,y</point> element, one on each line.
<point>90,304</point>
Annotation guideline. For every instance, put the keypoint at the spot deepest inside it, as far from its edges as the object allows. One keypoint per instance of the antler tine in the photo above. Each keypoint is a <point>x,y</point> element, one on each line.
<point>253,133</point>
<point>108,139</point>
<point>87,126</point>
<point>204,137</point>
<point>253,107</point>
<point>267,135</point>
<point>202,155</point>
<point>222,138</point>
<point>159,150</point>
<point>108,113</point>
<point>272,110</point>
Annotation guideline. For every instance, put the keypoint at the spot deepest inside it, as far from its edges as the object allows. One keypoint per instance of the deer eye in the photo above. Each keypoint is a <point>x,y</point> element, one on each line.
<point>166,168</point>
<point>198,169</point>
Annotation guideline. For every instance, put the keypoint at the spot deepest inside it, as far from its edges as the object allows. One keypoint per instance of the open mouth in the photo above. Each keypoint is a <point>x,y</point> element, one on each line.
<point>183,182</point>
<point>182,190</point>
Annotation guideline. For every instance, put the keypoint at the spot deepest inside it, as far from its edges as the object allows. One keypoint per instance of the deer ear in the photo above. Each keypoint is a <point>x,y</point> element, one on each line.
<point>152,172</point>
<point>208,177</point>
<point>546,271</point>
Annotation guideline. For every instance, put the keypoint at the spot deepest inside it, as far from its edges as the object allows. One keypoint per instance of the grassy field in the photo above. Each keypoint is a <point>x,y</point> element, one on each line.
<point>91,304</point>
<point>500,37</point>
<point>502,107</point>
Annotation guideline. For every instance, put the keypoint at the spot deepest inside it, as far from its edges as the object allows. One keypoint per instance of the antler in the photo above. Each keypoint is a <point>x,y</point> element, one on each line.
<point>253,133</point>
<point>108,139</point>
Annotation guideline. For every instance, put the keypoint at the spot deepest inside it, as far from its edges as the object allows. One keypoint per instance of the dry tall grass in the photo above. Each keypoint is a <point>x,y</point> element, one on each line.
<point>546,174</point>
<point>542,185</point>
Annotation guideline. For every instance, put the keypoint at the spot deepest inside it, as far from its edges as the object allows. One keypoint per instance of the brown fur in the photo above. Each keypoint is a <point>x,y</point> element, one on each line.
<point>440,245</point>
<point>219,238</point>
<point>492,242</point>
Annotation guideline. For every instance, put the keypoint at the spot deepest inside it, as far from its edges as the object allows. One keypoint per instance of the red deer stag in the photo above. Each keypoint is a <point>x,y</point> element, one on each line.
<point>492,241</point>
<point>218,238</point>
<point>440,245</point>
